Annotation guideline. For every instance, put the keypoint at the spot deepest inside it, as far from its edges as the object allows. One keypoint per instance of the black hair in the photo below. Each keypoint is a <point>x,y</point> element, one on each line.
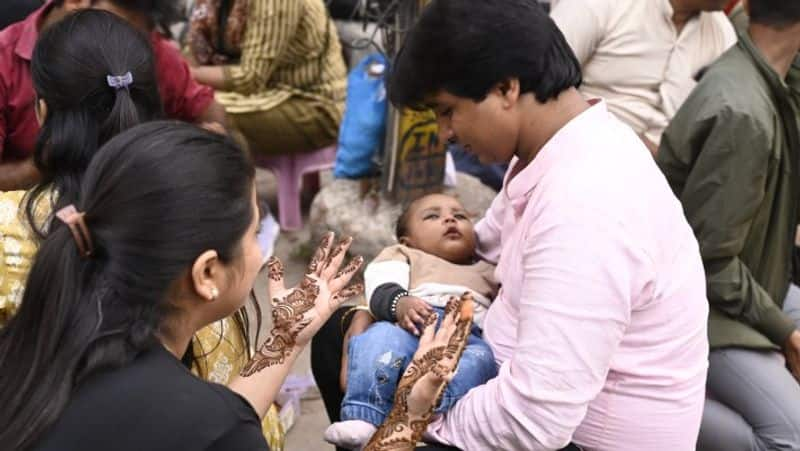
<point>401,225</point>
<point>774,13</point>
<point>70,65</point>
<point>466,47</point>
<point>155,198</point>
<point>161,14</point>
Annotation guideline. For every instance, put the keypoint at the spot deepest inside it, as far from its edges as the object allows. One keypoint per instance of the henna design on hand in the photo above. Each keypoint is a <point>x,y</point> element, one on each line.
<point>339,248</point>
<point>320,256</point>
<point>399,431</point>
<point>294,310</point>
<point>275,268</point>
<point>288,316</point>
<point>351,267</point>
<point>348,292</point>
<point>455,346</point>
<point>402,430</point>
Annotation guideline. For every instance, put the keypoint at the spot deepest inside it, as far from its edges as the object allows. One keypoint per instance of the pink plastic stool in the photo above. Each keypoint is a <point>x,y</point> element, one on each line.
<point>290,170</point>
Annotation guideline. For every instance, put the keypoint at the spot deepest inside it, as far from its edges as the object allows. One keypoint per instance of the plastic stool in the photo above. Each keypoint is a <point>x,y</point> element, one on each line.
<point>290,169</point>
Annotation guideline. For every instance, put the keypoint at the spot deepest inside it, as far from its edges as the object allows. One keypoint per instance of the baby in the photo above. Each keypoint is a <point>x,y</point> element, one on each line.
<point>406,283</point>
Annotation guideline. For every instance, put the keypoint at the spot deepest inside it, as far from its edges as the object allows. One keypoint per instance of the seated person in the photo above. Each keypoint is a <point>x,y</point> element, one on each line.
<point>407,284</point>
<point>125,279</point>
<point>730,156</point>
<point>642,56</point>
<point>278,68</point>
<point>183,98</point>
<point>80,110</point>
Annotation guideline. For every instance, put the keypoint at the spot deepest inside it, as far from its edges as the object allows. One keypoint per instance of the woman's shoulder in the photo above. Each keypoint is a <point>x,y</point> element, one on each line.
<point>153,403</point>
<point>161,374</point>
<point>17,248</point>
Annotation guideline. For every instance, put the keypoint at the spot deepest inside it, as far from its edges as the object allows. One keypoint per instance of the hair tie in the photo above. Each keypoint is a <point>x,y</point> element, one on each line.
<point>120,81</point>
<point>70,216</point>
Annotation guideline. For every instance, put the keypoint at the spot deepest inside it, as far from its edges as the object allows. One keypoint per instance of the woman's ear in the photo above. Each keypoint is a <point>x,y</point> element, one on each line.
<point>206,276</point>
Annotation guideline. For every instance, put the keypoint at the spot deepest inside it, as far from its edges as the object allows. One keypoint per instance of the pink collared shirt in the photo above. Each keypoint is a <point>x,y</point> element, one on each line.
<point>599,330</point>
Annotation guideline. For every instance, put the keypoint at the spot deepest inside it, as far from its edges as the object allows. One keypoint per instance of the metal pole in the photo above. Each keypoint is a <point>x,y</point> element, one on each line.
<point>413,156</point>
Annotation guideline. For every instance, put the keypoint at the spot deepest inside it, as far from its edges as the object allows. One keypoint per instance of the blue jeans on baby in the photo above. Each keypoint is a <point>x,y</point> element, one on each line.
<point>377,358</point>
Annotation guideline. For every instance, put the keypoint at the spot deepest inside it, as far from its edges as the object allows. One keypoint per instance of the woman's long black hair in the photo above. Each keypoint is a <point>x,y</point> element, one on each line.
<point>70,65</point>
<point>155,197</point>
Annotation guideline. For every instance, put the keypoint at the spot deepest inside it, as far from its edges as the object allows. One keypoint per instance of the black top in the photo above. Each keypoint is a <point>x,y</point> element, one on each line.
<point>154,404</point>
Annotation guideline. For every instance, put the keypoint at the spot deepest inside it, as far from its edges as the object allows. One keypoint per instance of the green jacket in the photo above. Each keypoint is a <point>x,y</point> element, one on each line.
<point>731,156</point>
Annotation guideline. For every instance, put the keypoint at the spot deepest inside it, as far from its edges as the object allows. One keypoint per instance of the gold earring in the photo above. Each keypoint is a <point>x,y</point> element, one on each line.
<point>214,293</point>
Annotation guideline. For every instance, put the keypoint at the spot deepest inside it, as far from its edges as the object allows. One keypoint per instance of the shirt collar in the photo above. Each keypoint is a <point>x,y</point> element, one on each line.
<point>667,10</point>
<point>520,182</point>
<point>30,32</point>
<point>776,83</point>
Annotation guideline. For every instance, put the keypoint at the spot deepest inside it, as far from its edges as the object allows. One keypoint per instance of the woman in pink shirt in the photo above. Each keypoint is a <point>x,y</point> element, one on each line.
<point>599,330</point>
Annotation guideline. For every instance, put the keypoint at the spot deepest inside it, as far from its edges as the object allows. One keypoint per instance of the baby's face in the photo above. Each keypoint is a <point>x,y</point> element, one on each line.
<point>439,225</point>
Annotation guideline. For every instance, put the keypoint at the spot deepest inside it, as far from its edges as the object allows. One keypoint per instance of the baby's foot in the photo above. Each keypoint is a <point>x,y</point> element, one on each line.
<point>352,434</point>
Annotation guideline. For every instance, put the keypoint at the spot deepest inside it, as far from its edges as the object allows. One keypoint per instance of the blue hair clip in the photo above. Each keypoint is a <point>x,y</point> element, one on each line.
<point>120,81</point>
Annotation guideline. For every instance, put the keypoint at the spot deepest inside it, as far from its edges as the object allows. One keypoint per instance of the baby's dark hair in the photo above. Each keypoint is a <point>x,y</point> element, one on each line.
<point>401,226</point>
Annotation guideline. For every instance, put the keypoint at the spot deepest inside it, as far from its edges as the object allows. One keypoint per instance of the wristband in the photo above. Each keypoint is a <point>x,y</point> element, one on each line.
<point>393,305</point>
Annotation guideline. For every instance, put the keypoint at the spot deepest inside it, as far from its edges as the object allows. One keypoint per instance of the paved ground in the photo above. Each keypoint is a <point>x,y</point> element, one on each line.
<point>306,434</point>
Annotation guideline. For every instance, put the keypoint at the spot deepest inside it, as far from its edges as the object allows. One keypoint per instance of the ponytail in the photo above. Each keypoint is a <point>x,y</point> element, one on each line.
<point>124,114</point>
<point>27,411</point>
<point>88,101</point>
<point>153,199</point>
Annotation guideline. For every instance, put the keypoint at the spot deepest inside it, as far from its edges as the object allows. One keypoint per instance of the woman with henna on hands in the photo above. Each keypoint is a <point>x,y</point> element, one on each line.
<point>161,243</point>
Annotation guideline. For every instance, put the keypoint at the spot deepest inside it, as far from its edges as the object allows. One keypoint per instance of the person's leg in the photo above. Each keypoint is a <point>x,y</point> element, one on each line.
<point>297,125</point>
<point>377,359</point>
<point>723,429</point>
<point>326,361</point>
<point>756,386</point>
<point>475,368</point>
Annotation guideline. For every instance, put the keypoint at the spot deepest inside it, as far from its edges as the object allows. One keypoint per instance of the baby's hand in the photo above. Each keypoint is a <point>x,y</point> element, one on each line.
<point>412,313</point>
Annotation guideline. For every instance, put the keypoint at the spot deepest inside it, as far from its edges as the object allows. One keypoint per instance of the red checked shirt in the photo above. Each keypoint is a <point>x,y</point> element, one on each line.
<point>183,98</point>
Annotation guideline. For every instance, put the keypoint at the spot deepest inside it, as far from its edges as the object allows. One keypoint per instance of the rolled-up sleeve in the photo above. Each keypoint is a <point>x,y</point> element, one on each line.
<point>574,307</point>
